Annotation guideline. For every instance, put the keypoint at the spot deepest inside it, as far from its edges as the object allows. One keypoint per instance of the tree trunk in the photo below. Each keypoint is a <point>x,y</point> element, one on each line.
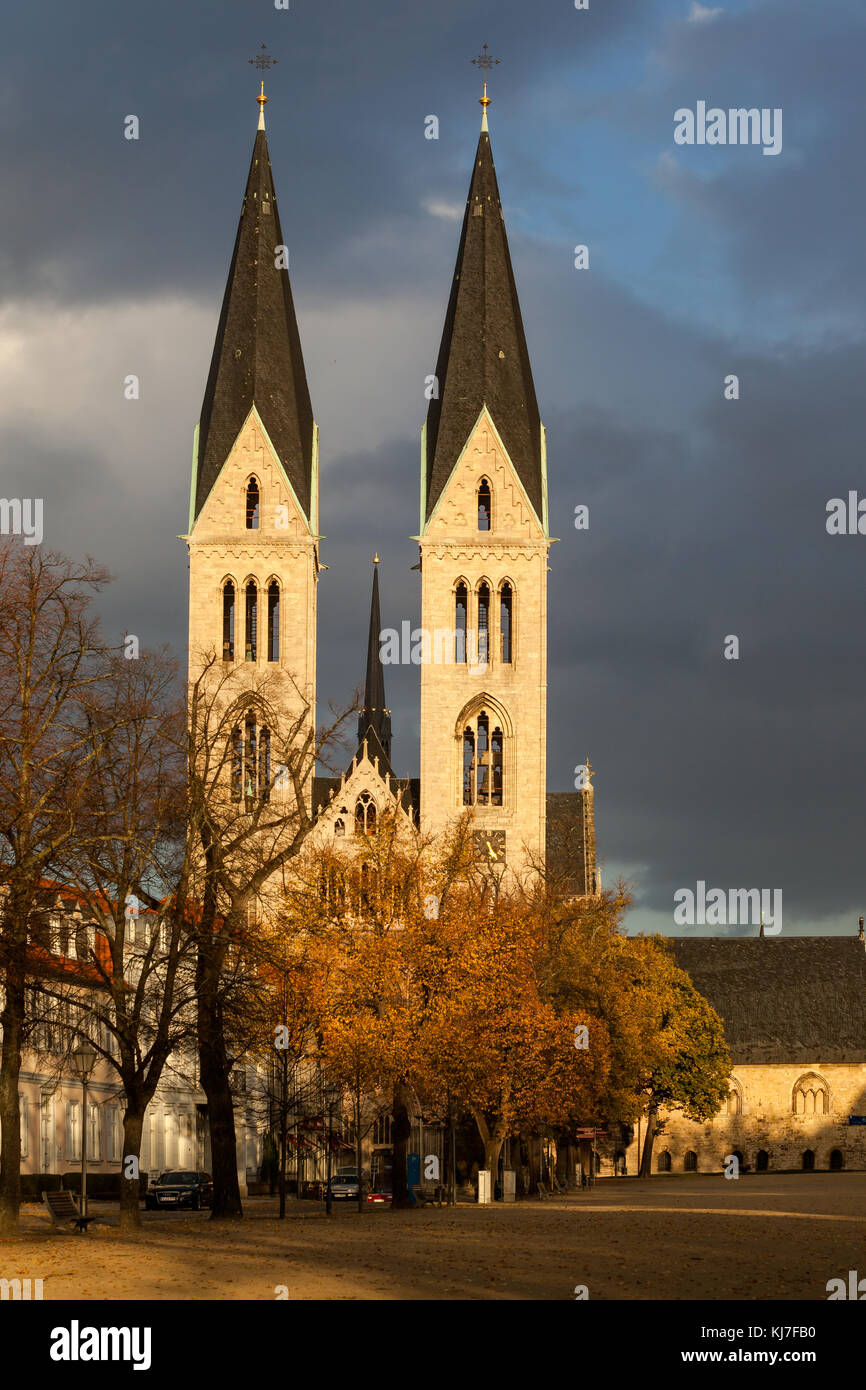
<point>214,1072</point>
<point>12,1021</point>
<point>130,1187</point>
<point>401,1131</point>
<point>646,1158</point>
<point>492,1150</point>
<point>451,1150</point>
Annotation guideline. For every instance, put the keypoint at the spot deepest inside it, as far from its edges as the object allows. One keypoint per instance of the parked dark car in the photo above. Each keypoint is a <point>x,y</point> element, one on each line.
<point>181,1188</point>
<point>345,1186</point>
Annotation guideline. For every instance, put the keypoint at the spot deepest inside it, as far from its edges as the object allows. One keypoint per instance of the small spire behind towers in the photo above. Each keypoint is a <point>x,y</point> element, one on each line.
<point>374,715</point>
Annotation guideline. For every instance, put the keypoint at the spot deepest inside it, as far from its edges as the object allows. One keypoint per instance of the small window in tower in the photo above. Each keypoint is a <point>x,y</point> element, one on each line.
<point>252,598</point>
<point>468,766</point>
<point>266,207</point>
<point>252,505</point>
<point>482,761</point>
<point>460,606</point>
<point>483,625</point>
<point>265,765</point>
<point>250,759</point>
<point>237,764</point>
<point>228,621</point>
<point>505,600</point>
<point>484,505</point>
<point>273,621</point>
<point>477,210</point>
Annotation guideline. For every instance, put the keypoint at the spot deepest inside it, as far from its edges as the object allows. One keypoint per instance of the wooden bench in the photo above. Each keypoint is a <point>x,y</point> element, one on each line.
<point>64,1209</point>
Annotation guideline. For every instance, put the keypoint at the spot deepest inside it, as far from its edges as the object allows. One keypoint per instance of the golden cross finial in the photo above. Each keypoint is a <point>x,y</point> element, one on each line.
<point>484,62</point>
<point>262,61</point>
<point>588,766</point>
<point>376,558</point>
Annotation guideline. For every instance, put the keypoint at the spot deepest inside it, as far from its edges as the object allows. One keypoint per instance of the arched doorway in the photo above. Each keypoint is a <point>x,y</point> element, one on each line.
<point>837,1161</point>
<point>809,1161</point>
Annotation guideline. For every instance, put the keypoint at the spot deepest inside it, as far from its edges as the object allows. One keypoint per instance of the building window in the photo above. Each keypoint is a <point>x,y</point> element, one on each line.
<point>690,1162</point>
<point>73,1129</point>
<point>505,612</point>
<point>811,1096</point>
<point>24,1136</point>
<point>483,625</point>
<point>484,505</point>
<point>382,1130</point>
<point>365,815</point>
<point>265,765</point>
<point>483,753</point>
<point>461,604</point>
<point>339,827</point>
<point>228,621</point>
<point>252,624</point>
<point>664,1162</point>
<point>252,505</point>
<point>250,761</point>
<point>735,1102</point>
<point>273,621</point>
<point>112,1133</point>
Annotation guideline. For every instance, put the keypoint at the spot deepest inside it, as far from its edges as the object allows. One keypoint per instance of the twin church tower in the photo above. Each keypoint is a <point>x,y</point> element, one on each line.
<point>483,537</point>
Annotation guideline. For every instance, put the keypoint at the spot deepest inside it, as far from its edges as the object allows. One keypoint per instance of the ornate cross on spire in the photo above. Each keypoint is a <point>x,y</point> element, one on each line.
<point>262,61</point>
<point>484,62</point>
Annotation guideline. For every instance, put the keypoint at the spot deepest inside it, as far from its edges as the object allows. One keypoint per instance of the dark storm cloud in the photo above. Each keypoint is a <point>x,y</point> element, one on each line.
<point>707,516</point>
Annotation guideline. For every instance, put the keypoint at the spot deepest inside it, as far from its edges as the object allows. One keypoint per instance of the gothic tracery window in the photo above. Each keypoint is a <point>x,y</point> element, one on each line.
<point>250,761</point>
<point>365,815</point>
<point>811,1096</point>
<point>483,752</point>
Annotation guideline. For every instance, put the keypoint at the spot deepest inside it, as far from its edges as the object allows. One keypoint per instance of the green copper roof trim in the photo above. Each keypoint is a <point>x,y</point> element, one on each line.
<point>194,477</point>
<point>423,477</point>
<point>544,480</point>
<point>314,481</point>
<point>484,411</point>
<point>286,479</point>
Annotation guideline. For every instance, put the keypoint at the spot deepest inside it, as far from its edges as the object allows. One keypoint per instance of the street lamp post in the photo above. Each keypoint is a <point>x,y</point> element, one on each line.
<point>83,1059</point>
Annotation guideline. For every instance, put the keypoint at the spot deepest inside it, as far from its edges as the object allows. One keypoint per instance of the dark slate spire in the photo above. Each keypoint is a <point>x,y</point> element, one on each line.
<point>483,357</point>
<point>374,714</point>
<point>257,355</point>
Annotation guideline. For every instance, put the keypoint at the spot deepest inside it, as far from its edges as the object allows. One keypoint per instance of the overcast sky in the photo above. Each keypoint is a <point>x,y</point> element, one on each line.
<point>707,516</point>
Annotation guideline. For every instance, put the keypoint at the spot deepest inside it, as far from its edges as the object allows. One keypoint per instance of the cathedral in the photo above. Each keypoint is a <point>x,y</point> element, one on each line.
<point>483,540</point>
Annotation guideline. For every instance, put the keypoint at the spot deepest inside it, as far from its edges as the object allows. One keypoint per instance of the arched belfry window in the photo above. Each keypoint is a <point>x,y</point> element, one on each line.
<point>484,505</point>
<point>252,621</point>
<point>228,621</point>
<point>506,605</point>
<point>273,621</point>
<point>483,624</point>
<point>483,759</point>
<point>253,505</point>
<point>250,761</point>
<point>365,815</point>
<point>461,608</point>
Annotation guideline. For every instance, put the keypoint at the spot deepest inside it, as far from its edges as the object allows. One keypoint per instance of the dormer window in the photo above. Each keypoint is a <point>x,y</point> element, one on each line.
<point>252,505</point>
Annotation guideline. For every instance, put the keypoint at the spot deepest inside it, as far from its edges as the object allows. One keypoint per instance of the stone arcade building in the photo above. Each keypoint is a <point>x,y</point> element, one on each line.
<point>794,1011</point>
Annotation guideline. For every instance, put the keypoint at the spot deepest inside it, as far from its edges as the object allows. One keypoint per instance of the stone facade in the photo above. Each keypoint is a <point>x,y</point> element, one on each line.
<point>514,550</point>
